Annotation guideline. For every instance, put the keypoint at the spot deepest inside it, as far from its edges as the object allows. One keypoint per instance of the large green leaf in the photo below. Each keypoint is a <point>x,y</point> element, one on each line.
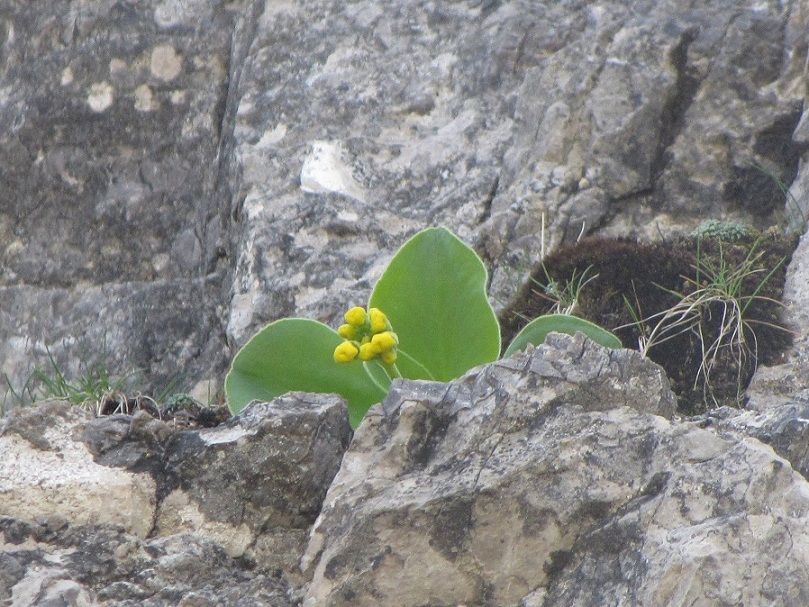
<point>297,354</point>
<point>536,331</point>
<point>434,294</point>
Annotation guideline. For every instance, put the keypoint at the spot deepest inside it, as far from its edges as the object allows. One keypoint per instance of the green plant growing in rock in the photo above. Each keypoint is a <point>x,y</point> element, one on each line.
<point>713,307</point>
<point>87,390</point>
<point>564,294</point>
<point>705,307</point>
<point>428,317</point>
<point>96,390</point>
<point>728,231</point>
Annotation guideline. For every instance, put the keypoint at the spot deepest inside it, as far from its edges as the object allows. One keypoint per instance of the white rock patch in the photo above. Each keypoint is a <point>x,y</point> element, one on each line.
<point>325,170</point>
<point>165,63</point>
<point>101,96</point>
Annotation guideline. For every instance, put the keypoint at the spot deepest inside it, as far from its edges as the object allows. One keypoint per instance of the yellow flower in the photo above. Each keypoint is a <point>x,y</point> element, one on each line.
<point>347,332</point>
<point>356,316</point>
<point>385,341</point>
<point>379,322</point>
<point>368,336</point>
<point>345,352</point>
<point>368,351</point>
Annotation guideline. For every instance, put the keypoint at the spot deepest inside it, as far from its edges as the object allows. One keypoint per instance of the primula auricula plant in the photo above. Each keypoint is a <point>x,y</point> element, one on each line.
<point>428,317</point>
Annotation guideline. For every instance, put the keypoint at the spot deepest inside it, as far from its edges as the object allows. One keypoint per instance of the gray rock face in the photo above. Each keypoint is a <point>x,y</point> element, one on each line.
<point>94,566</point>
<point>557,477</point>
<point>534,481</point>
<point>110,138</point>
<point>112,124</point>
<point>178,173</point>
<point>125,510</point>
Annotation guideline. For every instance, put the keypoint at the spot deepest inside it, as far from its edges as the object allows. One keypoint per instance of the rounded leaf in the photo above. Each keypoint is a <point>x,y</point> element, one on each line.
<point>434,295</point>
<point>296,354</point>
<point>536,331</point>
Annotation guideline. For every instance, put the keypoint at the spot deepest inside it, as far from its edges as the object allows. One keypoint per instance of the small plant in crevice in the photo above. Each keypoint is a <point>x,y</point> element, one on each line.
<point>92,387</point>
<point>705,307</point>
<point>564,294</point>
<point>727,231</point>
<point>713,309</point>
<point>97,390</point>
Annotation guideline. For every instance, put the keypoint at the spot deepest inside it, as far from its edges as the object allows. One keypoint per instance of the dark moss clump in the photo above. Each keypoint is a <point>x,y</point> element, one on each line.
<point>653,277</point>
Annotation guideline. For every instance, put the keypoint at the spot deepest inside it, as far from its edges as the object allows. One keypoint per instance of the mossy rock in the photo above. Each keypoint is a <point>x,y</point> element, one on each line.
<point>650,275</point>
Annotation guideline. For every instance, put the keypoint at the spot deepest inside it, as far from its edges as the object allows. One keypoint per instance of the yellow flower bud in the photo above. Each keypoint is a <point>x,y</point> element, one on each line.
<point>345,352</point>
<point>368,351</point>
<point>379,322</point>
<point>356,316</point>
<point>385,341</point>
<point>388,357</point>
<point>347,332</point>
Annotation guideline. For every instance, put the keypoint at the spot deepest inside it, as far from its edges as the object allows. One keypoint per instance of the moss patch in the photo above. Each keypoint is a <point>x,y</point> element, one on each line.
<point>653,277</point>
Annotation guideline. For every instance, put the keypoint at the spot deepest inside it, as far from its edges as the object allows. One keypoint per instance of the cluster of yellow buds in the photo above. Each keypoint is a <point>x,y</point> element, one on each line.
<point>367,335</point>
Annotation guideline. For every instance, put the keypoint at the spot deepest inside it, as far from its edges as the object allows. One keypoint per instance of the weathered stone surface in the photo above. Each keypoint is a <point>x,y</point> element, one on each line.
<point>112,122</point>
<point>48,564</point>
<point>176,173</point>
<point>780,385</point>
<point>111,119</point>
<point>256,483</point>
<point>84,496</point>
<point>46,473</point>
<point>632,126</point>
<point>534,481</point>
<point>585,120</point>
<point>783,427</point>
<point>104,325</point>
<point>282,152</point>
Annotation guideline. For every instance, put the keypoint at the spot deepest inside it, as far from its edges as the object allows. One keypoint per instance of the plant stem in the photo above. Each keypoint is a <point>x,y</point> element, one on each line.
<point>392,370</point>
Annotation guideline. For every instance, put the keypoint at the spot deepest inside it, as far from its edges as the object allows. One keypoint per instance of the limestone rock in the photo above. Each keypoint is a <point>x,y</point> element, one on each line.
<point>89,566</point>
<point>255,484</point>
<point>48,474</point>
<point>111,120</point>
<point>104,326</point>
<point>127,510</point>
<point>279,153</point>
<point>533,481</point>
<point>783,427</point>
<point>176,173</point>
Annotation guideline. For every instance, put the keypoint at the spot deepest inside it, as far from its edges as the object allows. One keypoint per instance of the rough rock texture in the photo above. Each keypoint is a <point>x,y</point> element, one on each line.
<point>47,473</point>
<point>49,562</point>
<point>176,173</point>
<point>111,118</point>
<point>557,478</point>
<point>179,172</point>
<point>125,508</point>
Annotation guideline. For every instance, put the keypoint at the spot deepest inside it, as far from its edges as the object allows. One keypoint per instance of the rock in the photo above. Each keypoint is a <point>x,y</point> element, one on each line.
<point>538,481</point>
<point>110,224</point>
<point>47,473</point>
<point>102,327</point>
<point>99,565</point>
<point>783,427</point>
<point>178,173</point>
<point>127,510</point>
<point>256,484</point>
